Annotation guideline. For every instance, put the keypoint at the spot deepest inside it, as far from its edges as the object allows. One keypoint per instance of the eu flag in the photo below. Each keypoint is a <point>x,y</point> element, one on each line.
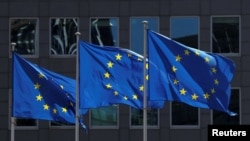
<point>111,75</point>
<point>41,94</point>
<point>191,76</point>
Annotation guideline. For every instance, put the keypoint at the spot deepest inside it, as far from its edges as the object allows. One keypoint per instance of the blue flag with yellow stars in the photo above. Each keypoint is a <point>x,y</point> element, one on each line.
<point>111,75</point>
<point>191,76</point>
<point>41,94</point>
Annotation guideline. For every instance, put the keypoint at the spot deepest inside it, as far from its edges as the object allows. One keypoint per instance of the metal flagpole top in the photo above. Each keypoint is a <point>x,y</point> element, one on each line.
<point>77,33</point>
<point>13,44</point>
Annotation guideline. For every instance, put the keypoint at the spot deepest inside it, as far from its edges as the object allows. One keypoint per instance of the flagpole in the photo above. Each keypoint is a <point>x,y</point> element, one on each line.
<point>77,90</point>
<point>145,83</point>
<point>12,121</point>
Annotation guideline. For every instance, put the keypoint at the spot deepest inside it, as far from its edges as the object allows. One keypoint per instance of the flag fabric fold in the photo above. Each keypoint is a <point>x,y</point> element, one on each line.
<point>111,75</point>
<point>197,78</point>
<point>41,94</point>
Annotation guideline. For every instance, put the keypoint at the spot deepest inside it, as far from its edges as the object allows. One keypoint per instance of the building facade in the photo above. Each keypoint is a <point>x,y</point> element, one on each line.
<point>44,33</point>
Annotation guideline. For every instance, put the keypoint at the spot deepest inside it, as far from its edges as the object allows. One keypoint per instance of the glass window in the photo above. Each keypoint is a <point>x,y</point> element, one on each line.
<point>104,32</point>
<point>186,31</point>
<point>234,106</point>
<point>105,116</point>
<point>62,36</point>
<point>24,32</point>
<point>136,43</point>
<point>225,34</point>
<point>137,29</point>
<point>137,117</point>
<point>25,122</point>
<point>184,115</point>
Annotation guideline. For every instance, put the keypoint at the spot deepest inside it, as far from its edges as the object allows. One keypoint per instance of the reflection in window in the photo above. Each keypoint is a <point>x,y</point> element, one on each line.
<point>137,31</point>
<point>106,116</point>
<point>63,38</point>
<point>104,32</point>
<point>24,32</point>
<point>185,30</point>
<point>183,114</point>
<point>137,117</point>
<point>225,119</point>
<point>225,34</point>
<point>136,43</point>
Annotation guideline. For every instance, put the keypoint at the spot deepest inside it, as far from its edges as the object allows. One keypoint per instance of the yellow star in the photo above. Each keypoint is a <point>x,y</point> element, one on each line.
<point>46,107</point>
<point>62,87</point>
<point>135,96</point>
<point>54,111</point>
<point>110,64</point>
<point>207,59</point>
<point>106,75</point>
<point>174,69</point>
<point>194,96</point>
<point>39,98</point>
<point>183,91</point>
<point>186,52</point>
<point>37,86</point>
<point>197,53</point>
<point>178,58</point>
<point>212,90</point>
<point>64,110</point>
<point>141,88</point>
<point>139,59</point>
<point>176,81</point>
<point>206,96</point>
<point>115,93</point>
<point>108,86</point>
<point>216,82</point>
<point>214,70</point>
<point>118,57</point>
<point>40,75</point>
<point>146,66</point>
<point>129,55</point>
<point>125,98</point>
<point>147,77</point>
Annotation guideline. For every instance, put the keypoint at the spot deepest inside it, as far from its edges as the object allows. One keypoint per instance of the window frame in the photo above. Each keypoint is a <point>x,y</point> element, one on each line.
<point>240,100</point>
<point>143,18</point>
<point>171,107</point>
<point>36,54</point>
<point>211,34</point>
<point>117,108</point>
<point>50,37</point>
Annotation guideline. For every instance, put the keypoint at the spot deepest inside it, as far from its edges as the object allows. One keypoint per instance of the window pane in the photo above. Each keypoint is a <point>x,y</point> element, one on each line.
<point>136,42</point>
<point>25,122</point>
<point>104,32</point>
<point>63,38</point>
<point>106,116</point>
<point>183,114</point>
<point>185,30</point>
<point>225,119</point>
<point>137,117</point>
<point>225,34</point>
<point>137,31</point>
<point>24,32</point>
